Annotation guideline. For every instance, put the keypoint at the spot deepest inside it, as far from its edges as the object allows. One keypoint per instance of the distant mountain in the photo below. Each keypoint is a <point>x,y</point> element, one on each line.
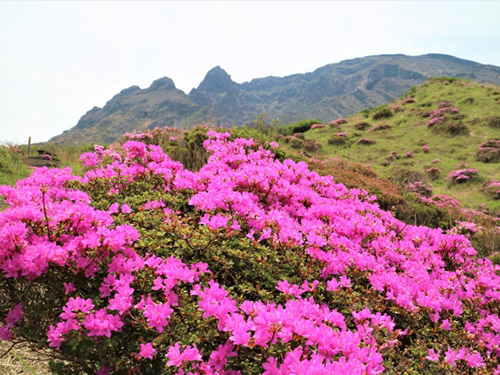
<point>332,91</point>
<point>160,105</point>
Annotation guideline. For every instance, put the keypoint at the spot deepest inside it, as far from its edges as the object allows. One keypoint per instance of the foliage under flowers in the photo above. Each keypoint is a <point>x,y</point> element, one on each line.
<point>248,266</point>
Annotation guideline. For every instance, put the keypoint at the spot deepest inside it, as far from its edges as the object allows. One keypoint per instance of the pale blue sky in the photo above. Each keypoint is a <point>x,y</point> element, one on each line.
<point>59,59</point>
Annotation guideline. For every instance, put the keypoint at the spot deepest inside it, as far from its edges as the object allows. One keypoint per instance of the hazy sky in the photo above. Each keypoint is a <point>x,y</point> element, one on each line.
<point>59,59</point>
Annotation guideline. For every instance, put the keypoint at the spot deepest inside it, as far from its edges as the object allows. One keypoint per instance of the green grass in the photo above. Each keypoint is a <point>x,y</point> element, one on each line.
<point>65,155</point>
<point>12,167</point>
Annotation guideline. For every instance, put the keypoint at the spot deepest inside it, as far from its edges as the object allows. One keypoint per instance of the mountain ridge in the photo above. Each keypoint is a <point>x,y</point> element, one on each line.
<point>331,91</point>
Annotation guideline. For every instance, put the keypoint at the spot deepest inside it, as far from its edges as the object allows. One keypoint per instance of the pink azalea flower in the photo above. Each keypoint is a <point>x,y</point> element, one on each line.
<point>147,350</point>
<point>433,356</point>
<point>69,287</point>
<point>126,209</point>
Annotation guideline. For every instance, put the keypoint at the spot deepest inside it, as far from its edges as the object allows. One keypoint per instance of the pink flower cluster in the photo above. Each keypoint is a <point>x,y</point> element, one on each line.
<point>13,316</point>
<point>467,228</point>
<point>244,189</point>
<point>462,175</point>
<point>336,123</point>
<point>433,173</point>
<point>444,201</point>
<point>316,126</point>
<point>421,188</point>
<point>393,155</point>
<point>437,116</point>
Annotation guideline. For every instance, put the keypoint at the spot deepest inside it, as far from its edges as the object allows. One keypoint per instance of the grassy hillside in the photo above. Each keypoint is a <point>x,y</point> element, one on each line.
<point>12,167</point>
<point>433,130</point>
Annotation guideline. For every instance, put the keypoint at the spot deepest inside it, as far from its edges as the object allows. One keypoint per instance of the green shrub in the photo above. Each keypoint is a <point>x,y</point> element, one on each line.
<point>446,80</point>
<point>296,142</point>
<point>339,139</point>
<point>362,125</point>
<point>312,146</point>
<point>297,127</point>
<point>382,113</point>
<point>365,112</point>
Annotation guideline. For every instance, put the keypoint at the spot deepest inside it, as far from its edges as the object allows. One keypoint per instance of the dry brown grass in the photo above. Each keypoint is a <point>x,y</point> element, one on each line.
<point>38,360</point>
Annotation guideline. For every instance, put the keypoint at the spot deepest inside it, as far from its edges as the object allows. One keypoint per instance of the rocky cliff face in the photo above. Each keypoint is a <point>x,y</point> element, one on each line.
<point>221,94</point>
<point>159,105</point>
<point>329,92</point>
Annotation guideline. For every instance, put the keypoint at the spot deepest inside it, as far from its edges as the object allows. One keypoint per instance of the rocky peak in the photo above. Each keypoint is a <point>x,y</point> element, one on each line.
<point>164,83</point>
<point>129,90</point>
<point>216,80</point>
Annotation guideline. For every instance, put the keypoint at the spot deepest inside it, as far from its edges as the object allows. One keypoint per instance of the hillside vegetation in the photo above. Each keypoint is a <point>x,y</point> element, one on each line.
<point>421,141</point>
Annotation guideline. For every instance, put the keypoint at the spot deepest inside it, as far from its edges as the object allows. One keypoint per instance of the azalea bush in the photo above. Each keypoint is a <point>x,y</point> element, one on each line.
<point>312,146</point>
<point>250,265</point>
<point>408,100</point>
<point>336,123</point>
<point>447,118</point>
<point>421,188</point>
<point>317,126</point>
<point>362,125</point>
<point>492,189</point>
<point>461,175</point>
<point>382,113</point>
<point>433,173</point>
<point>338,139</point>
<point>489,152</point>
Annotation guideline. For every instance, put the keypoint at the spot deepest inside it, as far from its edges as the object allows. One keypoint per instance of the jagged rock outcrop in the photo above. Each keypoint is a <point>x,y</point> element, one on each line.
<point>159,105</point>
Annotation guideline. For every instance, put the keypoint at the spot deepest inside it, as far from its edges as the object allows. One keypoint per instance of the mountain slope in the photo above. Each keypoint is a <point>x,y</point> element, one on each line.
<point>162,104</point>
<point>331,91</point>
<point>442,126</point>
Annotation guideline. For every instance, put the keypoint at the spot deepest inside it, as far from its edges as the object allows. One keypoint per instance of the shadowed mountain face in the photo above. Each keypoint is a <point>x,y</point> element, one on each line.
<point>332,91</point>
<point>160,105</point>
